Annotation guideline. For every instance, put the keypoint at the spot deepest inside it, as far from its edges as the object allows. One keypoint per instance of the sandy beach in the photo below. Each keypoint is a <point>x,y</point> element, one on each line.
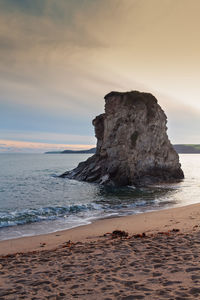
<point>158,259</point>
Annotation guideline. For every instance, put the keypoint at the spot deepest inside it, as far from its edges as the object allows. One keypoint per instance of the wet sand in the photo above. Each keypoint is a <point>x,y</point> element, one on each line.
<point>159,259</point>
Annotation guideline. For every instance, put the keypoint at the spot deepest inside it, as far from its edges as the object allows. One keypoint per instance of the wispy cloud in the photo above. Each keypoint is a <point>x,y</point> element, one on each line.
<point>59,58</point>
<point>47,137</point>
<point>32,147</point>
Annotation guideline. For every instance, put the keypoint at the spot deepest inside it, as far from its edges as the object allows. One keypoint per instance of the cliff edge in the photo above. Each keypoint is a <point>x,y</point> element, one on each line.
<point>132,144</point>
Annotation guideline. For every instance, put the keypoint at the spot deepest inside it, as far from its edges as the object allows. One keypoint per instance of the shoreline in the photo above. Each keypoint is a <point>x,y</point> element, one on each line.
<point>159,259</point>
<point>184,218</point>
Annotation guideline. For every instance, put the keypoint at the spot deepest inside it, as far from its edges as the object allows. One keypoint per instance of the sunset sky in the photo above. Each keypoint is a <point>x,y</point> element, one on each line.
<point>59,58</point>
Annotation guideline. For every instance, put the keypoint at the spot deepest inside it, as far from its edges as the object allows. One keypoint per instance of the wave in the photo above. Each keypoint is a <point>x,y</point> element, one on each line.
<point>27,216</point>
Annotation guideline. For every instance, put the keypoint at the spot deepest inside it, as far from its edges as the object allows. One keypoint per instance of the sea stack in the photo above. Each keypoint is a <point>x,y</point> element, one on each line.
<point>132,144</point>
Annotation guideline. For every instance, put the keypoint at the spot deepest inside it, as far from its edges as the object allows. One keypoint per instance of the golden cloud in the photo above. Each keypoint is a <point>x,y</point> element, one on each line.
<point>8,145</point>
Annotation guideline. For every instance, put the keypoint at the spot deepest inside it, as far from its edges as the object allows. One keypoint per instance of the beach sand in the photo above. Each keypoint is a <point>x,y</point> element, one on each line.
<point>159,259</point>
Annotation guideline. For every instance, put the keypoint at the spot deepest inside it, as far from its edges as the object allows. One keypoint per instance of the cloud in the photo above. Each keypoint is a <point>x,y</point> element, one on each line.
<point>21,146</point>
<point>47,137</point>
<point>59,58</point>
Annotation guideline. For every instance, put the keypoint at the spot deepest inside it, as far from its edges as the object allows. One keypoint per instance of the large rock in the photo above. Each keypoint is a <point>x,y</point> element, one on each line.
<point>132,144</point>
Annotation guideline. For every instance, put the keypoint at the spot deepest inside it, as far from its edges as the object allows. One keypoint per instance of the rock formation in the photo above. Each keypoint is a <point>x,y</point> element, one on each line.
<point>132,144</point>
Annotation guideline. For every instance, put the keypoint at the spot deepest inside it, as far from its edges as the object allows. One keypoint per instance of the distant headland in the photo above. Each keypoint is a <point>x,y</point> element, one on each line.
<point>180,148</point>
<point>187,148</point>
<point>92,151</point>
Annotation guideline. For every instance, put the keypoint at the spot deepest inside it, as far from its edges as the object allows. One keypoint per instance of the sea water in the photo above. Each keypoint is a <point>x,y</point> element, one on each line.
<point>34,200</point>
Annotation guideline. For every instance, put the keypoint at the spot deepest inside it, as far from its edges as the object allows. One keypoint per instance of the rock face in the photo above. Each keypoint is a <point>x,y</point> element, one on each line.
<point>132,144</point>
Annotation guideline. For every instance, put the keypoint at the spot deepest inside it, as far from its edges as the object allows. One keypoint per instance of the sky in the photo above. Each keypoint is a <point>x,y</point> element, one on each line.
<point>59,58</point>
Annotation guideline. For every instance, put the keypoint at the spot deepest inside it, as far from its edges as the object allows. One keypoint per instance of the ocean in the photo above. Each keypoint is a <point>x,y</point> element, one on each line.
<point>34,200</point>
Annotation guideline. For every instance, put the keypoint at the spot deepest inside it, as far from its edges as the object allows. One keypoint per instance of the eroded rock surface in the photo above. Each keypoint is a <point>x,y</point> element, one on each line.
<point>132,144</point>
